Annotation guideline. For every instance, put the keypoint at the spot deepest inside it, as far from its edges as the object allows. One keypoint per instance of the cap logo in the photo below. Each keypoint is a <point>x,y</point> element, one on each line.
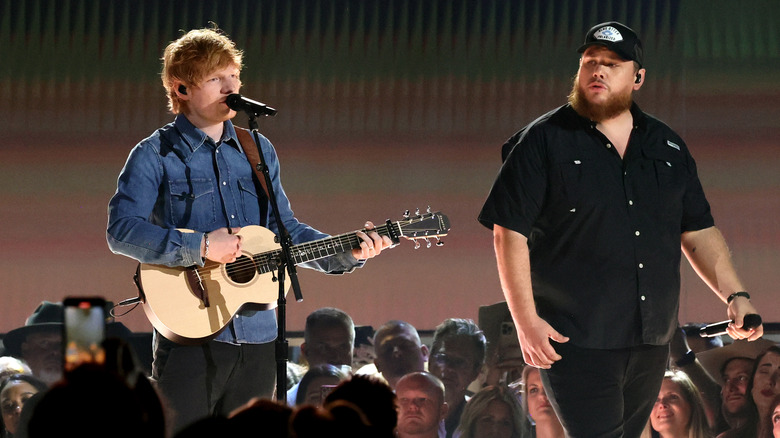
<point>608,33</point>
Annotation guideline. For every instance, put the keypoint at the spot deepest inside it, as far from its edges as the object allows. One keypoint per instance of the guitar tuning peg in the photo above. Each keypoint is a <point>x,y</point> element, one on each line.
<point>416,244</point>
<point>406,214</point>
<point>428,210</point>
<point>427,242</point>
<point>439,242</point>
<point>417,212</point>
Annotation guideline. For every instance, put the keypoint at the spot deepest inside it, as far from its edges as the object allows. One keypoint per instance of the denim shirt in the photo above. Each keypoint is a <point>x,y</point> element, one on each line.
<point>180,178</point>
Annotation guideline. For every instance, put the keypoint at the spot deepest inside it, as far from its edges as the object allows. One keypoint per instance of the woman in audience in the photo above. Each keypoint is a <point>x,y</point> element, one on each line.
<point>492,412</point>
<point>764,385</point>
<point>679,409</point>
<point>311,389</point>
<point>14,393</point>
<point>537,407</point>
<point>771,427</point>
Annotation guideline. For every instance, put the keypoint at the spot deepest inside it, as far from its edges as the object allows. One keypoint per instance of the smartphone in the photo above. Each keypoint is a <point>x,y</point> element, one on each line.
<point>84,328</point>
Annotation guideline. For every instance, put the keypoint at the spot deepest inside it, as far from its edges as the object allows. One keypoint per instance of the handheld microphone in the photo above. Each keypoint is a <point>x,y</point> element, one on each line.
<point>237,102</point>
<point>750,321</point>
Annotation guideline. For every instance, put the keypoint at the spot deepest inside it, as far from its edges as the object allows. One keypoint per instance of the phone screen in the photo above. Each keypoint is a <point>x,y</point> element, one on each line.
<point>84,330</point>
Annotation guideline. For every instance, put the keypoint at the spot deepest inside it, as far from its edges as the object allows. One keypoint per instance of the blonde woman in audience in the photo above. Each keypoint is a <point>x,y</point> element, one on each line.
<point>537,407</point>
<point>493,412</point>
<point>679,409</point>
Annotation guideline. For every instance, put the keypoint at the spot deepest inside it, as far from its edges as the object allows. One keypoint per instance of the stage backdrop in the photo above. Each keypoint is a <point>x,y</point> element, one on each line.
<point>384,105</point>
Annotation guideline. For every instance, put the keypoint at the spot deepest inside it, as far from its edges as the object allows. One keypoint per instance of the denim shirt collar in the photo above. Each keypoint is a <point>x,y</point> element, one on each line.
<point>193,138</point>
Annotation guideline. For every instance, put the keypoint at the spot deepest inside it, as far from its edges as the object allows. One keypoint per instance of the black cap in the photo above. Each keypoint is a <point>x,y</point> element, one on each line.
<point>616,37</point>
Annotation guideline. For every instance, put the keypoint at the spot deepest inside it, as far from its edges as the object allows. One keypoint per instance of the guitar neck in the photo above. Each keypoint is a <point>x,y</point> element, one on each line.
<point>326,247</point>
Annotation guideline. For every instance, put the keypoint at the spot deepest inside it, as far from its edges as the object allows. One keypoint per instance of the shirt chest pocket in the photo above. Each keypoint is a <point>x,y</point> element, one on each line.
<point>669,172</point>
<point>193,203</point>
<point>581,182</point>
<point>250,201</point>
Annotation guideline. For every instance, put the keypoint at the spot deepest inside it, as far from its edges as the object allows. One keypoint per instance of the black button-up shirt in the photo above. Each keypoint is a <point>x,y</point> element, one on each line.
<point>603,232</point>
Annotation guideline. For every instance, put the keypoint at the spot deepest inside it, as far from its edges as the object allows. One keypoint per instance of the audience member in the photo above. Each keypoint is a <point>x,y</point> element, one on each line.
<point>268,416</point>
<point>93,401</point>
<point>364,353</point>
<point>686,344</point>
<point>493,412</point>
<point>374,398</point>
<point>457,355</point>
<point>679,409</point>
<point>504,358</point>
<point>763,385</point>
<point>399,351</point>
<point>209,427</point>
<point>39,341</point>
<point>312,387</point>
<point>340,419</point>
<point>537,407</point>
<point>731,367</point>
<point>770,428</point>
<point>328,338</point>
<point>421,406</point>
<point>10,365</point>
<point>15,391</point>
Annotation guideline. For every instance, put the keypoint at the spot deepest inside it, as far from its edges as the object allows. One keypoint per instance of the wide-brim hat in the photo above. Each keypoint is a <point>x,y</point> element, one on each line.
<point>713,360</point>
<point>47,317</point>
<point>618,38</point>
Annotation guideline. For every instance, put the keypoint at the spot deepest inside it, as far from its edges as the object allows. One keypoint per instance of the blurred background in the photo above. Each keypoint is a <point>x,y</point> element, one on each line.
<point>384,105</point>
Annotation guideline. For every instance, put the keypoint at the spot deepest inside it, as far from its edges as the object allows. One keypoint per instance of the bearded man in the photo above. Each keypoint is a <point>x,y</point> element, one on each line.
<point>589,213</point>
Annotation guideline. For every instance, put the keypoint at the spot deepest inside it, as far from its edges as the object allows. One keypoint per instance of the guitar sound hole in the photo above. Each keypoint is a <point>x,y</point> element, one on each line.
<point>242,270</point>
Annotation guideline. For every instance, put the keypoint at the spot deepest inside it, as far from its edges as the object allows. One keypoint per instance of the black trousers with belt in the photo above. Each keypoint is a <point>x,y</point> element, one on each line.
<point>210,379</point>
<point>605,393</point>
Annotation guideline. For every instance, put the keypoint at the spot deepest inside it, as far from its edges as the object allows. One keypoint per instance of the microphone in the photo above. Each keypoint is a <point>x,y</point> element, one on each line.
<point>237,102</point>
<point>750,321</point>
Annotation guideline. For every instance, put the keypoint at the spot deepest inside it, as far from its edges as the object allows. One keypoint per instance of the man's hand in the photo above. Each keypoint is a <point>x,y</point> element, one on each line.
<point>224,245</point>
<point>372,243</point>
<point>738,308</point>
<point>534,336</point>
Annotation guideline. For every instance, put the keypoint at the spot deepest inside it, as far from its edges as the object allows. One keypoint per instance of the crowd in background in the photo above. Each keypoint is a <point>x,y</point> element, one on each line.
<point>467,381</point>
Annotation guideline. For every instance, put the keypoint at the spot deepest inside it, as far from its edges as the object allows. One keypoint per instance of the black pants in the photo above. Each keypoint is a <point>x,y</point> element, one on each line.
<point>210,379</point>
<point>605,393</point>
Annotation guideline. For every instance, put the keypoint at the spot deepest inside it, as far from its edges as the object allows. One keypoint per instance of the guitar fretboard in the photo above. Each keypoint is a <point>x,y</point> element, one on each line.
<point>318,249</point>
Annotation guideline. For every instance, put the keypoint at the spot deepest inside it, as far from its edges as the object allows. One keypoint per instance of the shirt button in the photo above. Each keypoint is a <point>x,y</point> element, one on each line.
<point>630,202</point>
<point>232,216</point>
<point>609,145</point>
<point>642,298</point>
<point>641,265</point>
<point>636,232</point>
<point>224,183</point>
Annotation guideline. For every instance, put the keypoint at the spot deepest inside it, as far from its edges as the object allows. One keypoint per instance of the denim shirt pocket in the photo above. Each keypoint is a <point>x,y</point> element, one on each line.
<point>193,203</point>
<point>249,200</point>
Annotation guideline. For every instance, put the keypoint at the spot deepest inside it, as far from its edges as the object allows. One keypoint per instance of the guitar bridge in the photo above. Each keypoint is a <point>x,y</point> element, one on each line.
<point>195,282</point>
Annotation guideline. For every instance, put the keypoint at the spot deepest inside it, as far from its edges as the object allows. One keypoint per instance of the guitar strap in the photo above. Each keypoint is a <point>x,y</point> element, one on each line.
<point>251,151</point>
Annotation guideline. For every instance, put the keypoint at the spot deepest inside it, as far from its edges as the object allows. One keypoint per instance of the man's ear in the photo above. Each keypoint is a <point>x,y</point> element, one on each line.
<point>425,352</point>
<point>639,79</point>
<point>303,349</point>
<point>445,409</point>
<point>181,90</point>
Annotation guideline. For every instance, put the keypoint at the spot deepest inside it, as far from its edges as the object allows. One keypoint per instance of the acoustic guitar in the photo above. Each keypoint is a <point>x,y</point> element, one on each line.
<point>193,304</point>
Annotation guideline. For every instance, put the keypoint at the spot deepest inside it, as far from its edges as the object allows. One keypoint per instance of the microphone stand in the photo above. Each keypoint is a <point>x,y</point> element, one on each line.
<point>285,262</point>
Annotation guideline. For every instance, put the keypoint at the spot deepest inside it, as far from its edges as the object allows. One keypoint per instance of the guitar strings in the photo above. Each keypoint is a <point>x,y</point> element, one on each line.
<point>251,263</point>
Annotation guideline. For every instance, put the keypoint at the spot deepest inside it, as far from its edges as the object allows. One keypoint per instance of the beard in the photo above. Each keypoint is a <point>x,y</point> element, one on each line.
<point>598,112</point>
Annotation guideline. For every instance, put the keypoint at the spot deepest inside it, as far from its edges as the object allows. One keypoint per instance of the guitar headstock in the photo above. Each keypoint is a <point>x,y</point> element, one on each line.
<point>430,225</point>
